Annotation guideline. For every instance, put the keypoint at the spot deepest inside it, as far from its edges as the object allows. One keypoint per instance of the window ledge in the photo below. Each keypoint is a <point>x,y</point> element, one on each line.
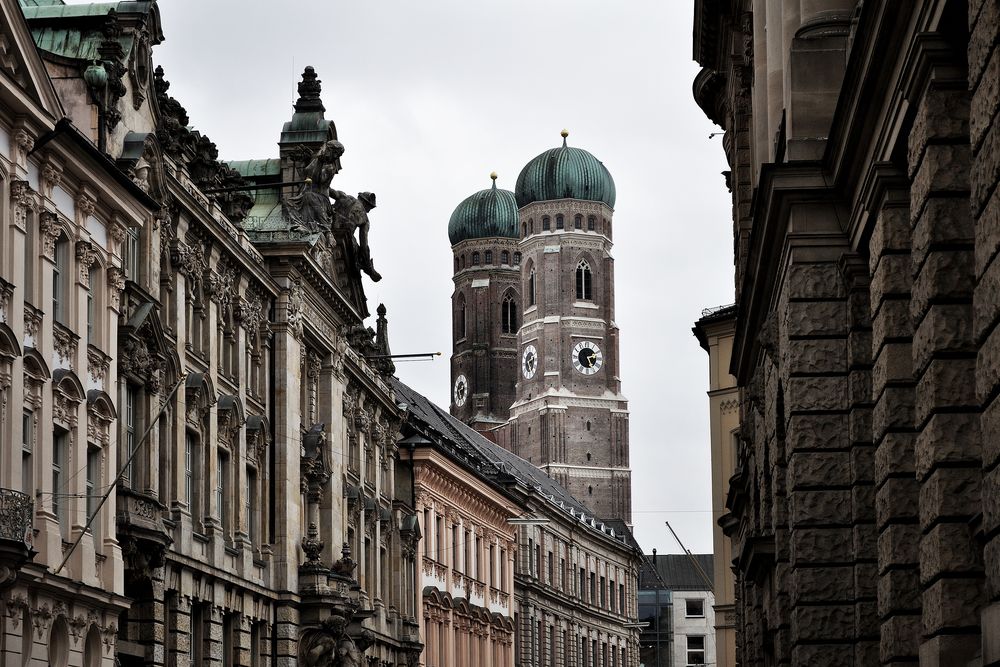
<point>586,304</point>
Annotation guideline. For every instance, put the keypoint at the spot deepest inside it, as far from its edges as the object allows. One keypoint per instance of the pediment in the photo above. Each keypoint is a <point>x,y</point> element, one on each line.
<point>19,59</point>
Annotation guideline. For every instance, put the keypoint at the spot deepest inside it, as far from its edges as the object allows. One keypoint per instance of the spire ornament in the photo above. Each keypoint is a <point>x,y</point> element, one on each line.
<point>309,92</point>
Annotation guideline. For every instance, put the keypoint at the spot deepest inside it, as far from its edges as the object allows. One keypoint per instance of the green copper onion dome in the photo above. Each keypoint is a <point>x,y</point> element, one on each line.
<point>565,173</point>
<point>486,214</point>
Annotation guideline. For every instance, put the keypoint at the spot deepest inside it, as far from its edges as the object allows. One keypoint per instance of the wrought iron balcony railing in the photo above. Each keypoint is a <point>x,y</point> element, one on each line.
<point>16,510</point>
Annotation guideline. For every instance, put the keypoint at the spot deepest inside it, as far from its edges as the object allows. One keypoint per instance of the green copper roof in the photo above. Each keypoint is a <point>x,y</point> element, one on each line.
<point>486,214</point>
<point>257,168</point>
<point>565,173</point>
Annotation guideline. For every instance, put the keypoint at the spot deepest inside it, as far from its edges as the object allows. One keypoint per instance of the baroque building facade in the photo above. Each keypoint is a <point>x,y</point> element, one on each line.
<point>202,366</point>
<point>549,316</point>
<point>863,507</point>
<point>515,571</point>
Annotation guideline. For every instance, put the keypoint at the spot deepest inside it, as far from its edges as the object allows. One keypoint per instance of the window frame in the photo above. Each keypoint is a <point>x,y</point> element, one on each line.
<point>687,607</point>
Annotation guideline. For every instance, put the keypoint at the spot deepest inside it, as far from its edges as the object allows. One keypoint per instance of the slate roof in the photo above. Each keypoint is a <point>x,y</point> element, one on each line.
<point>493,461</point>
<point>675,572</point>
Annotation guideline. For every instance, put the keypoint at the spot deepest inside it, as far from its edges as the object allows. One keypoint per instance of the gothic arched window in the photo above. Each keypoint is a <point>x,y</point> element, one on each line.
<point>531,226</point>
<point>531,288</point>
<point>489,258</point>
<point>578,221</point>
<point>463,261</point>
<point>590,223</point>
<point>475,259</point>
<point>546,224</point>
<point>584,281</point>
<point>508,315</point>
<point>505,257</point>
<point>559,222</point>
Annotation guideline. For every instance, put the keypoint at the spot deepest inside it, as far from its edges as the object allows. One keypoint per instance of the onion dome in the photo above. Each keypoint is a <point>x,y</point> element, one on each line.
<point>565,173</point>
<point>486,214</point>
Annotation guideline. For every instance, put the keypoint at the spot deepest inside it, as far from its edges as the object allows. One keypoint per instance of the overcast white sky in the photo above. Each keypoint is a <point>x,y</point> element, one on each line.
<point>431,96</point>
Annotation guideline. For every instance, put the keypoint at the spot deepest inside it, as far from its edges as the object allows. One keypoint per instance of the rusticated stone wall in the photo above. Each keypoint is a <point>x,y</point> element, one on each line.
<point>865,507</point>
<point>984,227</point>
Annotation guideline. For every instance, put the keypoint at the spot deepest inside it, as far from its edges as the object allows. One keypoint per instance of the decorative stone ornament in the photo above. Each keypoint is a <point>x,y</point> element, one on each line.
<point>48,222</point>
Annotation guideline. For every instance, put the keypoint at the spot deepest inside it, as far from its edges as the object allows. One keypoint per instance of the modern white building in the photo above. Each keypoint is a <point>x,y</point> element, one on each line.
<point>677,605</point>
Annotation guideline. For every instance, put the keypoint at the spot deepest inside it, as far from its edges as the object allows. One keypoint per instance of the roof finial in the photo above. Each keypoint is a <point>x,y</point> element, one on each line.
<point>493,176</point>
<point>564,134</point>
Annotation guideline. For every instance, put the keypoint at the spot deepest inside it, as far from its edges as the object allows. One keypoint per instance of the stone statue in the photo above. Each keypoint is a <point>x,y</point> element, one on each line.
<point>316,466</point>
<point>350,214</point>
<point>330,645</point>
<point>310,209</point>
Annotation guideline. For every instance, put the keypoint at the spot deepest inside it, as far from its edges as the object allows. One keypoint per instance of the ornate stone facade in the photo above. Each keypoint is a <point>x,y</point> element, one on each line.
<point>862,506</point>
<point>515,571</point>
<point>207,382</point>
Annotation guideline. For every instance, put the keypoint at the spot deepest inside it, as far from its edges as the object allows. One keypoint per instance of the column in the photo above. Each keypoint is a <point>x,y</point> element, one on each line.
<point>948,445</point>
<point>893,432</point>
<point>812,403</point>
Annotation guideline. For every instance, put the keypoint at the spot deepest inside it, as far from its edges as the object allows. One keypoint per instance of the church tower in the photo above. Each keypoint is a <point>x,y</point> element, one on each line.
<point>569,416</point>
<point>486,307</point>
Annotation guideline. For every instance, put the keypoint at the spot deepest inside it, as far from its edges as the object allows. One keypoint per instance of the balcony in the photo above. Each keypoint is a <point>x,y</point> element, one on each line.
<point>16,511</point>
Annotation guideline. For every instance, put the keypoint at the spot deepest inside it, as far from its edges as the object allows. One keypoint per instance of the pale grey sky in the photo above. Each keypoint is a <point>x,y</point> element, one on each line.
<point>430,97</point>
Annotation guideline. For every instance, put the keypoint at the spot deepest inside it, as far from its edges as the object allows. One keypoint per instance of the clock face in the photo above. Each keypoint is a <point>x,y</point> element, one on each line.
<point>461,391</point>
<point>587,357</point>
<point>529,362</point>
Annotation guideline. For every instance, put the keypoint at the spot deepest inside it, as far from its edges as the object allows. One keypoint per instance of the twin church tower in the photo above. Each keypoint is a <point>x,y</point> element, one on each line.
<point>535,363</point>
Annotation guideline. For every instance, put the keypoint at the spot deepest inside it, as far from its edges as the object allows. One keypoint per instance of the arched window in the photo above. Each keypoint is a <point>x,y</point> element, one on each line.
<point>584,281</point>
<point>559,222</point>
<point>590,223</point>
<point>475,258</point>
<point>460,317</point>
<point>456,263</point>
<point>531,288</point>
<point>524,229</point>
<point>578,221</point>
<point>546,224</point>
<point>531,225</point>
<point>505,257</point>
<point>463,261</point>
<point>508,315</point>
<point>517,258</point>
<point>489,257</point>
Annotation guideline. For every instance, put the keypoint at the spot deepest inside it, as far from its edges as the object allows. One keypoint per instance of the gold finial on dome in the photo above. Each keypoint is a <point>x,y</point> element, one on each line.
<point>564,134</point>
<point>493,175</point>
